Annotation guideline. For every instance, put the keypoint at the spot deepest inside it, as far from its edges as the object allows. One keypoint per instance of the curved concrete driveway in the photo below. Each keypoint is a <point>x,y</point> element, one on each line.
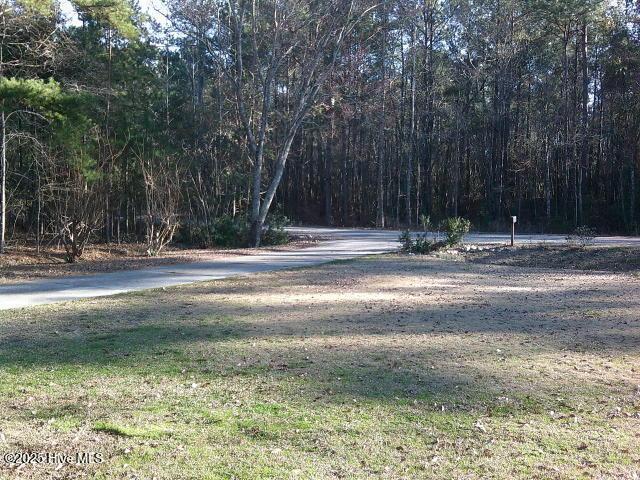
<point>340,244</point>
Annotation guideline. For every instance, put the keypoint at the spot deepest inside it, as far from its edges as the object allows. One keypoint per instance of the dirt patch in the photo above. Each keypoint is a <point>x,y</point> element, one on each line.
<point>25,263</point>
<point>612,259</point>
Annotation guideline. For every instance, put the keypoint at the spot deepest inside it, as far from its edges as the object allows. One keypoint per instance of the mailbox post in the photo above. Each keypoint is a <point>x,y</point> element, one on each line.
<point>514,219</point>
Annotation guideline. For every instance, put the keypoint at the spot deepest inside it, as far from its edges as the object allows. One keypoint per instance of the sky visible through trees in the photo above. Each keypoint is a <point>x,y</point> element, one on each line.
<point>119,120</point>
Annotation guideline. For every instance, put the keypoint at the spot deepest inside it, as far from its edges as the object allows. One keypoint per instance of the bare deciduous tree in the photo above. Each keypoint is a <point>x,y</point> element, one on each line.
<point>300,44</point>
<point>276,55</point>
<point>162,199</point>
<point>74,201</point>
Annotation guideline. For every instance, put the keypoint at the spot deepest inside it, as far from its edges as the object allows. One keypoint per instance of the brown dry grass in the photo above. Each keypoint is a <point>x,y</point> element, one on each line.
<point>613,259</point>
<point>25,263</point>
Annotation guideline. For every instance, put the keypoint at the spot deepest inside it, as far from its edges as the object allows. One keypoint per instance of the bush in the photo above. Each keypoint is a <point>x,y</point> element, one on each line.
<point>275,233</point>
<point>232,232</point>
<point>224,231</point>
<point>406,241</point>
<point>193,235</point>
<point>422,245</point>
<point>455,229</point>
<point>582,236</point>
<point>425,222</point>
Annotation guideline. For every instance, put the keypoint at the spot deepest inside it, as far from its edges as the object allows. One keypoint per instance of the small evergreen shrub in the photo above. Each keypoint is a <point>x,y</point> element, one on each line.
<point>224,231</point>
<point>425,222</point>
<point>232,232</point>
<point>275,234</point>
<point>455,229</point>
<point>406,242</point>
<point>422,244</point>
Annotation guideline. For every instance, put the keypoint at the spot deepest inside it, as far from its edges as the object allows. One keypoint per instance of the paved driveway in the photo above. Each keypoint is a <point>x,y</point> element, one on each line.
<point>340,244</point>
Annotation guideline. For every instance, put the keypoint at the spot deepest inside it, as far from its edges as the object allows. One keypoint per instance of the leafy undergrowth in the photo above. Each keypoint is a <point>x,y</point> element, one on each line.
<point>394,367</point>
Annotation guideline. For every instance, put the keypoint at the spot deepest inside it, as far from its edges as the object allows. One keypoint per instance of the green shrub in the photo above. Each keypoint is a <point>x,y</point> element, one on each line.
<point>192,235</point>
<point>406,241</point>
<point>224,231</point>
<point>232,232</point>
<point>275,234</point>
<point>422,244</point>
<point>455,229</point>
<point>425,222</point>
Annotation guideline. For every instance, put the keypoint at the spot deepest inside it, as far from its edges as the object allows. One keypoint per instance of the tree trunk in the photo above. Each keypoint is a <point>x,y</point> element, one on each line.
<point>547,180</point>
<point>412,133</point>
<point>427,170</point>
<point>584,158</point>
<point>327,174</point>
<point>380,220</point>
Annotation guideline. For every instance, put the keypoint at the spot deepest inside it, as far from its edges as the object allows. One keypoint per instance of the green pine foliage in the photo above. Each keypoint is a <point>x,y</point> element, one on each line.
<point>118,14</point>
<point>455,228</point>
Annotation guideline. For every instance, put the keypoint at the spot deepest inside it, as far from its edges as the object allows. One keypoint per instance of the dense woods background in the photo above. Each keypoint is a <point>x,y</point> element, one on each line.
<point>118,126</point>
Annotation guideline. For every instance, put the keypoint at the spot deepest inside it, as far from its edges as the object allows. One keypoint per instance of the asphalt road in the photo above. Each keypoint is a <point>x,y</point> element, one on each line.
<point>339,244</point>
<point>473,238</point>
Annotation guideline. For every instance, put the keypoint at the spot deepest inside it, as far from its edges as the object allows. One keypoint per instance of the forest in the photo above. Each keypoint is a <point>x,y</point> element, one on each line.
<point>211,116</point>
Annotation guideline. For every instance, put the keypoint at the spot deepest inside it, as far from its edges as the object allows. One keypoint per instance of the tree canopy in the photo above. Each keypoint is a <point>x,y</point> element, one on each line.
<point>343,112</point>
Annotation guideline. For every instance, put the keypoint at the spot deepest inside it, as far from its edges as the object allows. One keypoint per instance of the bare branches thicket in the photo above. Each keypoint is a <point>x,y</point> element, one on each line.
<point>162,201</point>
<point>74,200</point>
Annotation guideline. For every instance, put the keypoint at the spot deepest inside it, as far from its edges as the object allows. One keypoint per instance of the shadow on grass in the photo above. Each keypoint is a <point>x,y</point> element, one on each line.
<point>381,349</point>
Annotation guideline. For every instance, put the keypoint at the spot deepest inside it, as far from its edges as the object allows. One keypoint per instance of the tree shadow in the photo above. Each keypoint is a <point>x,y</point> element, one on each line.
<point>360,337</point>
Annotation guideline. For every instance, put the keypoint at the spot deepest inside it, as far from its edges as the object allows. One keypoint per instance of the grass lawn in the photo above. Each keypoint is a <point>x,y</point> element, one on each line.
<point>390,367</point>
